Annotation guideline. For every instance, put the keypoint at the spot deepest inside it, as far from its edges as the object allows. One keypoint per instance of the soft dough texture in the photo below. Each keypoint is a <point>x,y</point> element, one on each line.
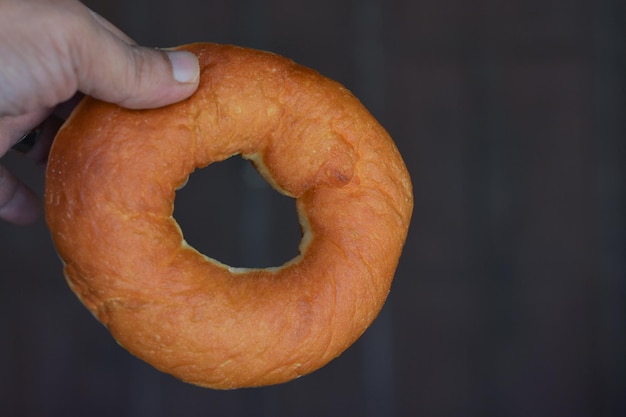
<point>110,188</point>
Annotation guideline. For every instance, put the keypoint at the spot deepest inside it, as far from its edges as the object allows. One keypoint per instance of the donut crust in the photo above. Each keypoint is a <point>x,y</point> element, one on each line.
<point>110,190</point>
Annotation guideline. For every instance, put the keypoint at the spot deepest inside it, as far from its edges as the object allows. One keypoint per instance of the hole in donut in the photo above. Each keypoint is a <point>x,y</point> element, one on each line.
<point>228,212</point>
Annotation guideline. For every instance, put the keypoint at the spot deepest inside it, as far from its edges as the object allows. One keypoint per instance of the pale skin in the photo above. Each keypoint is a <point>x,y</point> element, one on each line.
<point>52,52</point>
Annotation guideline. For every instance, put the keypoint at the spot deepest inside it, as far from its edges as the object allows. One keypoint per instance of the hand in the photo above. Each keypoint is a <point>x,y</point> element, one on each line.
<point>50,50</point>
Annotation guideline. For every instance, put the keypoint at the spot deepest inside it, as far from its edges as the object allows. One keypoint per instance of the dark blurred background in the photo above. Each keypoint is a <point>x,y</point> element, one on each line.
<point>510,299</point>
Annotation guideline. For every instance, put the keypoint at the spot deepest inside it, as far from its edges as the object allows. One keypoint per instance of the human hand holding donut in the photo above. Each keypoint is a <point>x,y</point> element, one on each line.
<point>49,51</point>
<point>113,172</point>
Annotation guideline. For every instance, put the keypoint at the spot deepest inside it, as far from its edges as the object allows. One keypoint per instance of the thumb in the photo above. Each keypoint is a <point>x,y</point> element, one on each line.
<point>112,68</point>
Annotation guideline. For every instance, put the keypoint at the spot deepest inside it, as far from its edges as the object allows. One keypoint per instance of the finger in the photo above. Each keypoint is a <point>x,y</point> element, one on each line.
<point>36,145</point>
<point>18,204</point>
<point>17,131</point>
<point>112,68</point>
<point>145,78</point>
<point>13,128</point>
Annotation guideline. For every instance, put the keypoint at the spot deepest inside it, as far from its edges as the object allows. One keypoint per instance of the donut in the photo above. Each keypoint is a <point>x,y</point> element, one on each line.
<point>111,181</point>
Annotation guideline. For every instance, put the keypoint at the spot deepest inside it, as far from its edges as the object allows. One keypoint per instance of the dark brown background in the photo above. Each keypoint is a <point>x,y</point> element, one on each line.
<point>510,298</point>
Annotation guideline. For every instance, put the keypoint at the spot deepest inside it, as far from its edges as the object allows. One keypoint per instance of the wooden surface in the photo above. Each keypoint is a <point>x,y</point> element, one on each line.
<point>510,299</point>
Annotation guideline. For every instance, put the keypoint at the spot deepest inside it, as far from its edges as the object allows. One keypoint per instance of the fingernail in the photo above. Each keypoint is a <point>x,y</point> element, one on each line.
<point>185,66</point>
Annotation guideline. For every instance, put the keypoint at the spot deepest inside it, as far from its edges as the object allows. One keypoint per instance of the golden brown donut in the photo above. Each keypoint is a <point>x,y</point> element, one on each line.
<point>110,187</point>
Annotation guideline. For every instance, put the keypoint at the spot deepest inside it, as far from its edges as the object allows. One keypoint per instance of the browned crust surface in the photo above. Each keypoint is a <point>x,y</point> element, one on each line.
<point>110,187</point>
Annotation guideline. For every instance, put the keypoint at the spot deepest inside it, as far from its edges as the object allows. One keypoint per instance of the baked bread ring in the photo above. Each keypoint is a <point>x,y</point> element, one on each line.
<point>110,187</point>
